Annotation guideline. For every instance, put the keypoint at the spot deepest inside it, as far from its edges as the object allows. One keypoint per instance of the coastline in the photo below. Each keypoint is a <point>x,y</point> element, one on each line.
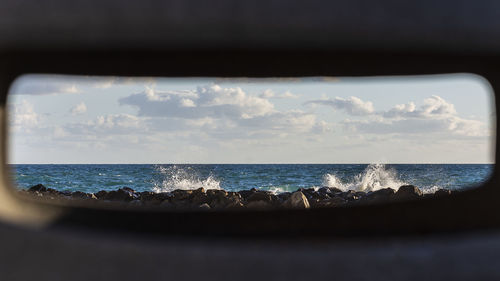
<point>218,199</point>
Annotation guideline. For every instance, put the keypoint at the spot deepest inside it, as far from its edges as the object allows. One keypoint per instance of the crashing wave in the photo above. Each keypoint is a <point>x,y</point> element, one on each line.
<point>175,177</point>
<point>374,177</point>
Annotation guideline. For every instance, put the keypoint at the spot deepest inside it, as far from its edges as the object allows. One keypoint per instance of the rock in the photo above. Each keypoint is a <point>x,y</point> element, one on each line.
<point>147,196</point>
<point>332,202</point>
<point>199,197</point>
<point>221,199</point>
<point>235,205</point>
<point>360,194</point>
<point>325,192</point>
<point>308,192</point>
<point>66,193</point>
<point>101,194</point>
<point>260,196</point>
<point>126,188</point>
<point>204,206</point>
<point>247,193</point>
<point>334,190</point>
<point>297,200</point>
<point>349,195</point>
<point>282,197</point>
<point>181,194</point>
<point>407,192</point>
<point>80,195</point>
<point>442,192</point>
<point>122,194</point>
<point>381,195</point>
<point>38,187</point>
<point>52,191</point>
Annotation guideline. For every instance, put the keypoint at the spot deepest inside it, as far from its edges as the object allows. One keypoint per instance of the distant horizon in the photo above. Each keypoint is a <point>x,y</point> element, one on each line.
<point>431,119</point>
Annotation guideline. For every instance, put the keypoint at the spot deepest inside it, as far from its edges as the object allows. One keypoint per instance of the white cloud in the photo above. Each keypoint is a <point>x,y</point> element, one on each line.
<point>267,94</point>
<point>220,112</point>
<point>270,94</point>
<point>436,115</point>
<point>209,101</point>
<point>78,109</point>
<point>23,115</point>
<point>288,95</point>
<point>43,87</point>
<point>351,105</point>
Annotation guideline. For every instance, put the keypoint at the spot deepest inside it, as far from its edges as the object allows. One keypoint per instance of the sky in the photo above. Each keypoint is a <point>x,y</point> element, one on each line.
<point>415,119</point>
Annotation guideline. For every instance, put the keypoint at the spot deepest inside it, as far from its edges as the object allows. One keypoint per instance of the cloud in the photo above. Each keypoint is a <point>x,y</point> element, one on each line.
<point>209,101</point>
<point>270,94</point>
<point>108,82</point>
<point>267,94</point>
<point>220,112</point>
<point>41,84</point>
<point>23,115</point>
<point>433,107</point>
<point>109,125</point>
<point>78,109</point>
<point>351,105</point>
<point>41,87</point>
<point>435,115</point>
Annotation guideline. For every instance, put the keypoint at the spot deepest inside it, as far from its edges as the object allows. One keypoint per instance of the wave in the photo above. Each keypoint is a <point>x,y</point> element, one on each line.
<point>374,177</point>
<point>175,177</point>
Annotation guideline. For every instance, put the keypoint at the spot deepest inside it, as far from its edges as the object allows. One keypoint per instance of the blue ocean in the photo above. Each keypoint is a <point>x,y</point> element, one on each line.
<point>234,177</point>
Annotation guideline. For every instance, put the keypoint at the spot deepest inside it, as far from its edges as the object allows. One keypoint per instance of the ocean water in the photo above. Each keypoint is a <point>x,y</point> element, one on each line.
<point>273,177</point>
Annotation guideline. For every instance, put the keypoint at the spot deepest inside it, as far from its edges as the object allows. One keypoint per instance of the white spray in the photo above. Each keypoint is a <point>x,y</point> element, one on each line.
<point>374,177</point>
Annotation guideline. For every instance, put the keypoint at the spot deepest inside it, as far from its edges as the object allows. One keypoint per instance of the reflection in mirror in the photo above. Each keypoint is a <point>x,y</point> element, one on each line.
<point>214,143</point>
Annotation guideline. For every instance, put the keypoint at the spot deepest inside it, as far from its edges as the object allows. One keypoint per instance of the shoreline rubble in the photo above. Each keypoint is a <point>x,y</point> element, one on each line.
<point>216,199</point>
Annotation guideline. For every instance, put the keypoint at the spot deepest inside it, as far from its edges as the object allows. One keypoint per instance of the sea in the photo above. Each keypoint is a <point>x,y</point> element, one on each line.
<point>276,178</point>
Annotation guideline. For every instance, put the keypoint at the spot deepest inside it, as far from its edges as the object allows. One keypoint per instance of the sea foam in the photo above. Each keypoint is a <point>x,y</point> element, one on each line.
<point>176,177</point>
<point>374,177</point>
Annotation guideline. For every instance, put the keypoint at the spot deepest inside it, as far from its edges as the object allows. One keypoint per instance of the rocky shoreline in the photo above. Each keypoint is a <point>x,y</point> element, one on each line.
<point>210,199</point>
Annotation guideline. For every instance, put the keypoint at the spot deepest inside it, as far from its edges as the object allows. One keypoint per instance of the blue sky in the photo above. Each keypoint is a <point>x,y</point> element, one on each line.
<point>424,119</point>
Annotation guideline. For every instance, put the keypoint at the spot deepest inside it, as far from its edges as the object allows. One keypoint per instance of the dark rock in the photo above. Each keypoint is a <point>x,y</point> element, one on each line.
<point>126,188</point>
<point>348,195</point>
<point>381,195</point>
<point>235,205</point>
<point>52,191</point>
<point>204,206</point>
<point>297,200</point>
<point>221,199</point>
<point>38,187</point>
<point>199,197</point>
<point>118,195</point>
<point>360,194</point>
<point>147,196</point>
<point>260,196</point>
<point>282,197</point>
<point>101,194</point>
<point>180,194</point>
<point>65,193</point>
<point>325,192</point>
<point>334,190</point>
<point>332,202</point>
<point>247,193</point>
<point>442,192</point>
<point>81,195</point>
<point>407,192</point>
